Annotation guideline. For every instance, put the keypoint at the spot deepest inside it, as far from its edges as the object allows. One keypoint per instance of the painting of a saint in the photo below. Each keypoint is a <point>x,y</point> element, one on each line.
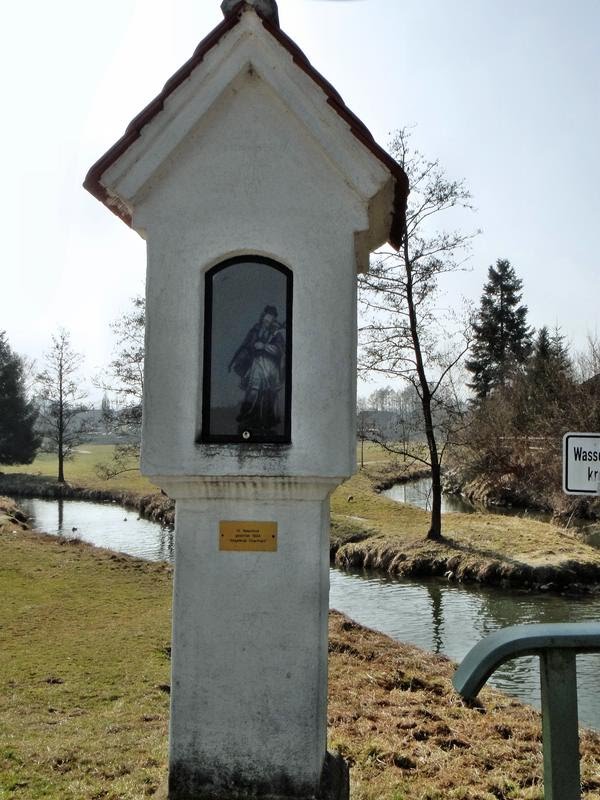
<point>260,363</point>
<point>247,359</point>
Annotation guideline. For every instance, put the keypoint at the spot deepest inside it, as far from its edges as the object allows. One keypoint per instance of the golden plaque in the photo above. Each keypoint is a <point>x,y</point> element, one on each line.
<point>250,535</point>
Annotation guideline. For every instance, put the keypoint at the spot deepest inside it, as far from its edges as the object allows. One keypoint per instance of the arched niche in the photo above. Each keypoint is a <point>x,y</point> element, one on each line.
<point>246,392</point>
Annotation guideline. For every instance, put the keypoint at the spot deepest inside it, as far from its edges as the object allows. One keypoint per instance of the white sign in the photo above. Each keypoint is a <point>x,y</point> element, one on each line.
<point>581,463</point>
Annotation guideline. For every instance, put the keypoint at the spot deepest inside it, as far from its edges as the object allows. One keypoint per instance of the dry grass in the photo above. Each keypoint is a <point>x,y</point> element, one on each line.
<point>394,715</point>
<point>84,672</point>
<point>369,530</point>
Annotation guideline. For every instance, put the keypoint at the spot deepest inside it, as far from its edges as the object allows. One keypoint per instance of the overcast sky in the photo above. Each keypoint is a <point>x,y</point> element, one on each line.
<point>506,93</point>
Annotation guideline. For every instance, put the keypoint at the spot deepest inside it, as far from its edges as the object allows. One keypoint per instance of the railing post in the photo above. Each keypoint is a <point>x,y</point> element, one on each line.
<point>557,646</point>
<point>558,675</point>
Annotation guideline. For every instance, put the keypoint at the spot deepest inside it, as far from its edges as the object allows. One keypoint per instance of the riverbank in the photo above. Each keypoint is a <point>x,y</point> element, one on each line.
<point>370,531</point>
<point>85,669</point>
<point>134,492</point>
<point>154,506</point>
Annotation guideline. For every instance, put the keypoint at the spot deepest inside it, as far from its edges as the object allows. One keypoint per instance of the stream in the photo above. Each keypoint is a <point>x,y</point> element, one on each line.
<point>418,493</point>
<point>434,615</point>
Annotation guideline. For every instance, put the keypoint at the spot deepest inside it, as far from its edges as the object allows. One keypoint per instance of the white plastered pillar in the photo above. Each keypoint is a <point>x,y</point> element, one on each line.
<point>249,690</point>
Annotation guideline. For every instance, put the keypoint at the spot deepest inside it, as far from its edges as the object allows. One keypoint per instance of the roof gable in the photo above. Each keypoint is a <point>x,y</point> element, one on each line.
<point>217,61</point>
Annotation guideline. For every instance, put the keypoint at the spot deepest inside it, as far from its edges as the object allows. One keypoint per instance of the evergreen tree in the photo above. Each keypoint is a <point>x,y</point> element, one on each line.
<point>502,338</point>
<point>18,439</point>
<point>560,353</point>
<point>549,366</point>
<point>541,397</point>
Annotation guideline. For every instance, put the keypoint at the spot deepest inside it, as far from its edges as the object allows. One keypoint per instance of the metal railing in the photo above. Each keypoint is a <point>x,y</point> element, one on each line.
<point>557,646</point>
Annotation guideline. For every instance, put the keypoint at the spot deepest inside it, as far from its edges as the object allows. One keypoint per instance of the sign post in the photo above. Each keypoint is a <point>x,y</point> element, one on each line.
<point>260,196</point>
<point>581,463</point>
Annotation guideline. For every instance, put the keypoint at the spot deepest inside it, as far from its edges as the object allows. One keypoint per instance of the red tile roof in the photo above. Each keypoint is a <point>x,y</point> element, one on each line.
<point>360,131</point>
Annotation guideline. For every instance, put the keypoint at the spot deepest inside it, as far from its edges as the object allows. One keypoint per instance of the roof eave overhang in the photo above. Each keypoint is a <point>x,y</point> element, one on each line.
<point>93,181</point>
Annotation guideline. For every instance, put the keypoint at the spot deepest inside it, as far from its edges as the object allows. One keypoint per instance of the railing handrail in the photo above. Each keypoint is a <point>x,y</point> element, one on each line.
<point>557,645</point>
<point>521,640</point>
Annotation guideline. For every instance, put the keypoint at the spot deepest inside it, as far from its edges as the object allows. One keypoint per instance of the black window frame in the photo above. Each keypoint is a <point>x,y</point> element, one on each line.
<point>205,436</point>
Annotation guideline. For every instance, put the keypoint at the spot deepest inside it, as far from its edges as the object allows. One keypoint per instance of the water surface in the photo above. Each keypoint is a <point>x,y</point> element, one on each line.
<point>450,618</point>
<point>434,615</point>
<point>103,524</point>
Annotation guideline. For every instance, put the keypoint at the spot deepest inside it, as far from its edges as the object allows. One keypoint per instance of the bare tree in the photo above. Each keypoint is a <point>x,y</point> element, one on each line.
<point>405,334</point>
<point>588,361</point>
<point>125,382</point>
<point>62,409</point>
<point>364,428</point>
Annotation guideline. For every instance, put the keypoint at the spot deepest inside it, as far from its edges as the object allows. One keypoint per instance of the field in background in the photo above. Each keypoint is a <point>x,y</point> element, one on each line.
<point>81,470</point>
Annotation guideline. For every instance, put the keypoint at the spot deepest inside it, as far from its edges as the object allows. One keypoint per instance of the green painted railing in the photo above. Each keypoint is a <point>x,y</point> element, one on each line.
<point>557,646</point>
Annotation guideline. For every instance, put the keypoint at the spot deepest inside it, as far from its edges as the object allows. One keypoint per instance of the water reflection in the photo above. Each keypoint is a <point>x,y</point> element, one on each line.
<point>440,617</point>
<point>451,618</point>
<point>418,493</point>
<point>434,591</point>
<point>104,524</point>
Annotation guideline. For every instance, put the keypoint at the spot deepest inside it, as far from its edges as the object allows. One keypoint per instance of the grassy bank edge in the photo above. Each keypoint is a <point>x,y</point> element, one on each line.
<point>371,532</point>
<point>86,700</point>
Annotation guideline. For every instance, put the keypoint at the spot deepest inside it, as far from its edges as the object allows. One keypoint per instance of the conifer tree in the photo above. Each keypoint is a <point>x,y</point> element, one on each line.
<point>549,365</point>
<point>501,336</point>
<point>18,439</point>
<point>559,351</point>
<point>543,396</point>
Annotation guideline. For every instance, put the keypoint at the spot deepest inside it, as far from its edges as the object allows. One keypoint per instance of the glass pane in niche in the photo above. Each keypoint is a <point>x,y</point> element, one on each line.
<point>249,346</point>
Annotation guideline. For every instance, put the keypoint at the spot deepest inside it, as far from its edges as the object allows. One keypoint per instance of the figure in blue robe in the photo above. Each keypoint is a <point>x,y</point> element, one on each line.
<point>260,363</point>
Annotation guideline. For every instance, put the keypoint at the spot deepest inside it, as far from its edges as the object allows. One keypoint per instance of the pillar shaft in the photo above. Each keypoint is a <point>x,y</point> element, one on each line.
<point>249,650</point>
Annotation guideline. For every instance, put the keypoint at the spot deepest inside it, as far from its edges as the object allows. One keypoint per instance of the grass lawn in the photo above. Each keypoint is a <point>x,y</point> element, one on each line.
<point>516,537</point>
<point>81,470</point>
<point>371,530</point>
<point>82,663</point>
<point>84,674</point>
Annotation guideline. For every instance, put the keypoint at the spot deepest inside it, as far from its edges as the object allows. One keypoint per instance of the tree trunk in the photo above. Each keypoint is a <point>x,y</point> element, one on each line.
<point>435,530</point>
<point>61,423</point>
